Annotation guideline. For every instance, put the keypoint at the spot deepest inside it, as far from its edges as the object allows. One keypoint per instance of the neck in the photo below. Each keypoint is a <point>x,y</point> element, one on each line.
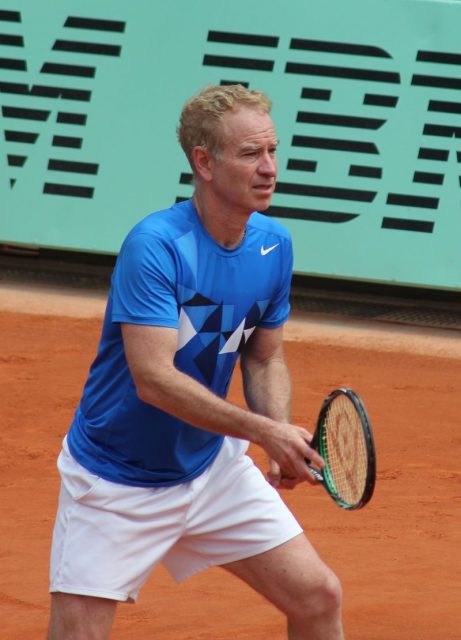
<point>227,229</point>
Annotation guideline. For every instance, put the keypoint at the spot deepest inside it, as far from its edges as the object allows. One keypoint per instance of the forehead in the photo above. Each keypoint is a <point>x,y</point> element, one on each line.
<point>247,126</point>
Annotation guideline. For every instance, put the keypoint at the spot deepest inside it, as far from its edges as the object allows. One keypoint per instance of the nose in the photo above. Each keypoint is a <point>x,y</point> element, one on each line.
<point>268,164</point>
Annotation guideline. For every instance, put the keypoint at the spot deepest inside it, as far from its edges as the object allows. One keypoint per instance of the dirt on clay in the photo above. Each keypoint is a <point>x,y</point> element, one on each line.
<point>398,558</point>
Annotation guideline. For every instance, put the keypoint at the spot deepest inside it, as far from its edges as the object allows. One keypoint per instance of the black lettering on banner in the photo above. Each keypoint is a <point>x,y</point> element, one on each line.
<point>319,132</point>
<point>83,39</point>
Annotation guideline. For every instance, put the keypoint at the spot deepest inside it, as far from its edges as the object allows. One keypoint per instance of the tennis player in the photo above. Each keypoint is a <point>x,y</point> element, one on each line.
<point>154,467</point>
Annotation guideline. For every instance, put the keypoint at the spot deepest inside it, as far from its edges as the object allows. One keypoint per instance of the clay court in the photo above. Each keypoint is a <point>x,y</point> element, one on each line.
<point>398,559</point>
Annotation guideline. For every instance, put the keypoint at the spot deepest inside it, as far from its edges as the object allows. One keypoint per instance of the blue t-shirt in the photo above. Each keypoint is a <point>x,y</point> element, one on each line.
<point>171,273</point>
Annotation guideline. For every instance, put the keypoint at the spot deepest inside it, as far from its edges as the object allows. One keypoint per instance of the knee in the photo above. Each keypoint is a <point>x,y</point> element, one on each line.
<point>320,601</point>
<point>330,595</point>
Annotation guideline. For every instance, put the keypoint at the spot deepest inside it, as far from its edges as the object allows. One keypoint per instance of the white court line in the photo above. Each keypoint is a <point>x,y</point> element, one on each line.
<point>303,326</point>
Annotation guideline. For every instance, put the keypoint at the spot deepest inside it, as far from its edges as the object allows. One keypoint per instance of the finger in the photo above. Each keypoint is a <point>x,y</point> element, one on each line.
<point>288,481</point>
<point>306,434</point>
<point>314,457</point>
<point>274,474</point>
<point>311,478</point>
<point>301,468</point>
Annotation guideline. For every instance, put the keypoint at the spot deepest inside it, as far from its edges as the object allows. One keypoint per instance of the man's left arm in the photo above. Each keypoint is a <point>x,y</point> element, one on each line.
<point>267,387</point>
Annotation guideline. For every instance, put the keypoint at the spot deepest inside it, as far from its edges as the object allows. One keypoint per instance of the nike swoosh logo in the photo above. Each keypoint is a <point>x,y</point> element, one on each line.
<point>264,251</point>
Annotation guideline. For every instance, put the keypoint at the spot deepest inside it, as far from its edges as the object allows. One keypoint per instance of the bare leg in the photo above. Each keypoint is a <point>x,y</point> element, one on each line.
<point>298,583</point>
<point>75,617</point>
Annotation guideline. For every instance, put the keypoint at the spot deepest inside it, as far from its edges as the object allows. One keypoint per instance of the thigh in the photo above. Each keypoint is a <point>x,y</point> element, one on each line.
<point>287,575</point>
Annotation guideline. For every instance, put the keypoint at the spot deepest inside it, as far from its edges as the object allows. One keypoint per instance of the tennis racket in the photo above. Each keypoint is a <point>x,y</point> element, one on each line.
<point>344,439</point>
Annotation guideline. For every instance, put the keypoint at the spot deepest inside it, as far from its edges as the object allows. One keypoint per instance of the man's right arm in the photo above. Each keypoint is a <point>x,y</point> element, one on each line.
<point>150,354</point>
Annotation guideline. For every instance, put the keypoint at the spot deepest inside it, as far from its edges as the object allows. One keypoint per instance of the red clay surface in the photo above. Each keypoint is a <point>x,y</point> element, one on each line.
<point>398,559</point>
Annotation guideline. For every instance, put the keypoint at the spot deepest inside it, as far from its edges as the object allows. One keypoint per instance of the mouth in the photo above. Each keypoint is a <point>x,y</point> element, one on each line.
<point>264,188</point>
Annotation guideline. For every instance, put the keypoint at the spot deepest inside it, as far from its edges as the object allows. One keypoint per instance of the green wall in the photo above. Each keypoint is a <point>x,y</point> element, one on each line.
<point>367,104</point>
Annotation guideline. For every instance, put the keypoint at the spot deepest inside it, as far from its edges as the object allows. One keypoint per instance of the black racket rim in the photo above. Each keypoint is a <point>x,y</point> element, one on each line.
<point>369,444</point>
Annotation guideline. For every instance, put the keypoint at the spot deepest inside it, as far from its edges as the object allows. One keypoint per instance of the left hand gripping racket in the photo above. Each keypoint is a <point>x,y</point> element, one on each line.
<point>344,439</point>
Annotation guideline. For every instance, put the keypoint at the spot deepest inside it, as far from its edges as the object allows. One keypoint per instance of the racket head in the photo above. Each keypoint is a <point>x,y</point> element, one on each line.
<point>344,439</point>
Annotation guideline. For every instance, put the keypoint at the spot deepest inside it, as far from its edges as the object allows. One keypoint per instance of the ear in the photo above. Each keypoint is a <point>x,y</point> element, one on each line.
<point>202,161</point>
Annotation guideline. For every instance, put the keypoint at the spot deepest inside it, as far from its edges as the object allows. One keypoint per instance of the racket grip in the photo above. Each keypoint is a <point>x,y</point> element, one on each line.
<point>316,473</point>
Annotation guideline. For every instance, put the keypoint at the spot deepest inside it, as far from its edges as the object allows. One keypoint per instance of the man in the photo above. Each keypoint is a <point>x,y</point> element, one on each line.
<point>154,466</point>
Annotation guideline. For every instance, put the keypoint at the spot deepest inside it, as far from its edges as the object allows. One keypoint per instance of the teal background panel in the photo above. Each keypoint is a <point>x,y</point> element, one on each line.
<point>366,101</point>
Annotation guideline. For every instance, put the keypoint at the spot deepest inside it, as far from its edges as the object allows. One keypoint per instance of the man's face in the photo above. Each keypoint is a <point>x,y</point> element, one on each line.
<point>244,171</point>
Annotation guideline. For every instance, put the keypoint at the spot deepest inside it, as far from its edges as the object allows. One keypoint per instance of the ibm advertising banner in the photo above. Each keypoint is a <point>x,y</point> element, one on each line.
<point>367,104</point>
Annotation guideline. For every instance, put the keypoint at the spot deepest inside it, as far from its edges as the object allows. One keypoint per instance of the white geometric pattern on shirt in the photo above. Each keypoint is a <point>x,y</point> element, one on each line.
<point>187,331</point>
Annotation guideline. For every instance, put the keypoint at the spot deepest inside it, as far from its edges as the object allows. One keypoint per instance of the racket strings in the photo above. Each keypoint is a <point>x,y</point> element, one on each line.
<point>344,447</point>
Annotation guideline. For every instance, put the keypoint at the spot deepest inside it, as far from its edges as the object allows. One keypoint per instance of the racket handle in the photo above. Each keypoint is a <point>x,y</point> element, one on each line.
<point>316,473</point>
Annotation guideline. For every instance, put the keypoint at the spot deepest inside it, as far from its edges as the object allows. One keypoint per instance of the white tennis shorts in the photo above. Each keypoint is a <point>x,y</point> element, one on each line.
<point>108,537</point>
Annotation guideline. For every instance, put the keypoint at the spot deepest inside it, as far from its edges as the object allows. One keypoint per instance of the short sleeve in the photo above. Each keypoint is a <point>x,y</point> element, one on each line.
<point>278,309</point>
<point>143,284</point>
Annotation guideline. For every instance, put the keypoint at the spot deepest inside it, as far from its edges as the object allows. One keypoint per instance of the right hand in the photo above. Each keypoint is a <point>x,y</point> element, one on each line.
<point>288,447</point>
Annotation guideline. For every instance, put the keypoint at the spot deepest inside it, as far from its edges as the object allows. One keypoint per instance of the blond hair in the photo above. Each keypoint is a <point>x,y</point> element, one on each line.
<point>200,120</point>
